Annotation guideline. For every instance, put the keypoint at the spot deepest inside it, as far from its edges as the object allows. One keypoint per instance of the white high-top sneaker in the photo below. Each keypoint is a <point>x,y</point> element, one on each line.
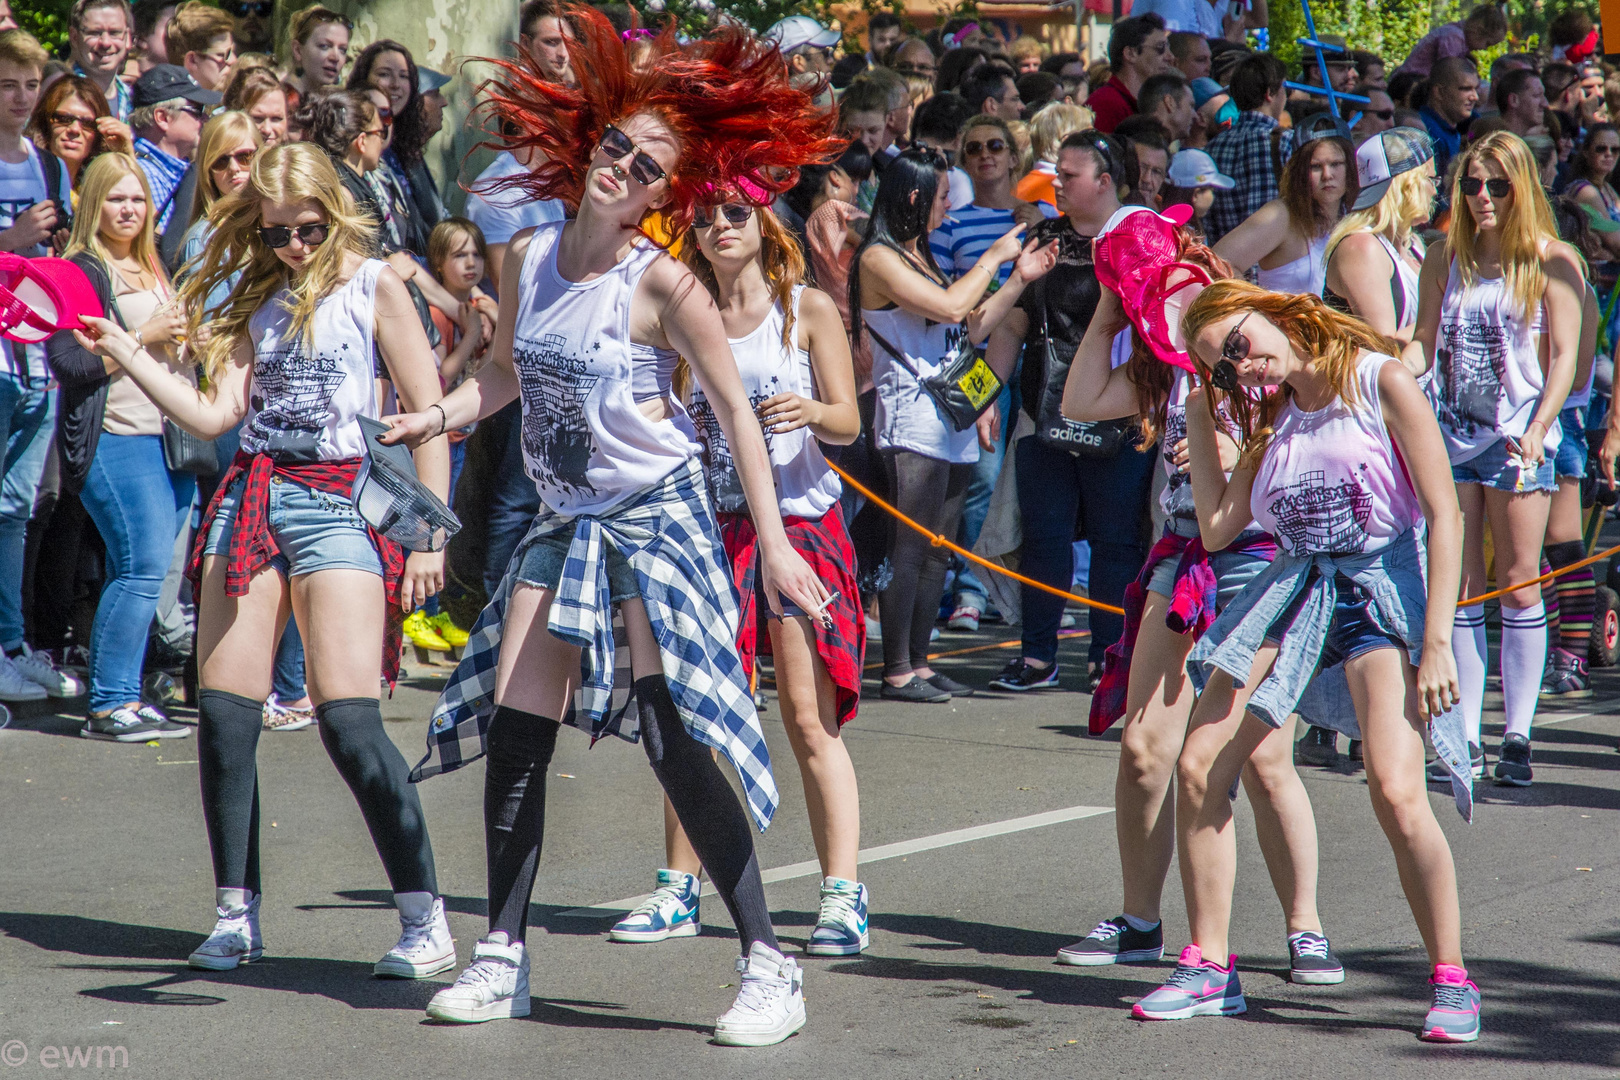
<point>495,986</point>
<point>236,939</point>
<point>425,947</point>
<point>770,1002</point>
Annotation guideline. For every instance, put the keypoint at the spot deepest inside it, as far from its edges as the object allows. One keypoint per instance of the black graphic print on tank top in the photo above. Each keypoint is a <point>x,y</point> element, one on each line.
<point>1472,359</point>
<point>556,432</point>
<point>1312,515</point>
<point>725,486</point>
<point>291,397</point>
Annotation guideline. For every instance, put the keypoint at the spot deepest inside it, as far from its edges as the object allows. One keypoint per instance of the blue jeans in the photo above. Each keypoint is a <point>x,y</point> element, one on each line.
<point>139,506</point>
<point>1108,501</point>
<point>27,420</point>
<point>287,677</point>
<point>512,505</point>
<point>966,586</point>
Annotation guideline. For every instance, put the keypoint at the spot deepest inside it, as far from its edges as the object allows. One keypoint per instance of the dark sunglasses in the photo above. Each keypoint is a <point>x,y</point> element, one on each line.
<point>279,236</point>
<point>241,157</point>
<point>193,109</point>
<point>1224,375</point>
<point>1498,187</point>
<point>915,69</point>
<point>994,146</point>
<point>67,120</point>
<point>736,213</point>
<point>1382,114</point>
<point>617,146</point>
<point>243,8</point>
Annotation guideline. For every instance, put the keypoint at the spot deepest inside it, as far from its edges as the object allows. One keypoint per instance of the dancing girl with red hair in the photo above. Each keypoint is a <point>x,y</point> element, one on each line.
<point>591,325</point>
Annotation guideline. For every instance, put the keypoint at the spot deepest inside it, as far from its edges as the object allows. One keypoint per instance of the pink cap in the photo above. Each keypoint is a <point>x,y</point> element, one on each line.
<point>39,297</point>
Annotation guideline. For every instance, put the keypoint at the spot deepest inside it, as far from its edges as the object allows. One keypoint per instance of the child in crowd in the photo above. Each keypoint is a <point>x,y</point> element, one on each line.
<point>1193,179</point>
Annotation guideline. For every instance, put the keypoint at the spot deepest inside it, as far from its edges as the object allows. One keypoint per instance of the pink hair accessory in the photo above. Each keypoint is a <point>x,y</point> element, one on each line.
<point>1136,259</point>
<point>39,297</point>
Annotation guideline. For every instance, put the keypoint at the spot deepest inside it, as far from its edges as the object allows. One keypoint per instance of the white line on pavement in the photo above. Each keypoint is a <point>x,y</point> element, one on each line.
<point>871,855</point>
<point>1544,719</point>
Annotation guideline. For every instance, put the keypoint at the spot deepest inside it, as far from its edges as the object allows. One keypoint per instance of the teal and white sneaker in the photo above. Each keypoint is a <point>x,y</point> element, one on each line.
<point>671,911</point>
<point>841,928</point>
<point>1197,987</point>
<point>1454,1015</point>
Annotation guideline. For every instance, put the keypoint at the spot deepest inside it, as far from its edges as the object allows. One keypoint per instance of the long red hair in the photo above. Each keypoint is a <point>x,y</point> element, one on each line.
<point>727,97</point>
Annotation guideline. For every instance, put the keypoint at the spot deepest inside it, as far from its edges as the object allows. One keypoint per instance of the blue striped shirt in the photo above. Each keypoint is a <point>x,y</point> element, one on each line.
<point>968,233</point>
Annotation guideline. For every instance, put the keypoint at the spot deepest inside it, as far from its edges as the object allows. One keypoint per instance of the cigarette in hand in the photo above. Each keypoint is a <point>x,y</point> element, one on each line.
<point>821,611</point>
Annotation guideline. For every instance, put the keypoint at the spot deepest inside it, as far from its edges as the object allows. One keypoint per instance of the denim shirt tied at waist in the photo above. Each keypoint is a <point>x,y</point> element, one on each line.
<point>1394,577</point>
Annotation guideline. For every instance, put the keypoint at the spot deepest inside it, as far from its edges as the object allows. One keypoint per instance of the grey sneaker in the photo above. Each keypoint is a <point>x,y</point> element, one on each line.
<point>1454,1013</point>
<point>123,724</point>
<point>1115,942</point>
<point>1311,960</point>
<point>162,726</point>
<point>1196,988</point>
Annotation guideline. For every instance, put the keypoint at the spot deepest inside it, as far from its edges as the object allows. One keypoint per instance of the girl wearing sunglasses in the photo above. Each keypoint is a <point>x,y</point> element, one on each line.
<point>1340,459</point>
<point>592,322</point>
<point>1144,679</point>
<point>1500,323</point>
<point>793,356</point>
<point>292,356</point>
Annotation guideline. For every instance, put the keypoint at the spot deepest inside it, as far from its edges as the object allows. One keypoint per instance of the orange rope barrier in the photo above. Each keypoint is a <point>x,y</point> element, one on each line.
<point>939,541</point>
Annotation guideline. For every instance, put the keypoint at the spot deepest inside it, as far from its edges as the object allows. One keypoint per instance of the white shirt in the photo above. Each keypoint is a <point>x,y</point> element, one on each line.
<point>1187,16</point>
<point>502,213</point>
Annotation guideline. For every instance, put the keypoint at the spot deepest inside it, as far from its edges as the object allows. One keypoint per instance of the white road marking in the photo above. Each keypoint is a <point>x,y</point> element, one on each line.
<point>871,855</point>
<point>1543,719</point>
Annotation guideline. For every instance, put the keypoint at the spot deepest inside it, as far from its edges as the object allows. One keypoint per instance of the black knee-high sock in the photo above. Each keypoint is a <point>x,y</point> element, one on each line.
<point>375,770</point>
<point>227,747</point>
<point>520,748</point>
<point>709,811</point>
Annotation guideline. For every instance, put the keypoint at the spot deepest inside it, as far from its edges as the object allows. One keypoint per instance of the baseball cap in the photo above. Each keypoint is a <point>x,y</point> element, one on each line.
<point>1195,169</point>
<point>1320,125</point>
<point>39,297</point>
<point>797,31</point>
<point>428,80</point>
<point>1384,157</point>
<point>165,82</point>
<point>1205,88</point>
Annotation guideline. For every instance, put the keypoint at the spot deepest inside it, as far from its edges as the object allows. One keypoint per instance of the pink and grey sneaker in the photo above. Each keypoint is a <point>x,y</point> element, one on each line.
<point>1197,987</point>
<point>1454,1016</point>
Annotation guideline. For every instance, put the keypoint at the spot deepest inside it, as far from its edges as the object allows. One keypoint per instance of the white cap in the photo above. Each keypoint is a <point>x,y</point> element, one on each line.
<point>1195,169</point>
<point>797,31</point>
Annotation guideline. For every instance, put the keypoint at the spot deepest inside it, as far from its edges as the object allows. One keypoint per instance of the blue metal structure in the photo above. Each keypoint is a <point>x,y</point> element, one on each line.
<point>1326,89</point>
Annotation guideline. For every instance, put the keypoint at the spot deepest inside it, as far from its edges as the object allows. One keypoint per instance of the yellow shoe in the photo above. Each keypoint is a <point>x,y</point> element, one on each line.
<point>455,635</point>
<point>423,635</point>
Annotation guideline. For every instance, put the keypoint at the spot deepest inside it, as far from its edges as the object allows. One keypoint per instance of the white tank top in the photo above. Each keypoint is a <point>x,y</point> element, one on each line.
<point>1582,395</point>
<point>906,418</point>
<point>1487,370</point>
<point>1305,274</point>
<point>302,407</point>
<point>805,486</point>
<point>1176,499</point>
<point>585,443</point>
<point>1330,480</point>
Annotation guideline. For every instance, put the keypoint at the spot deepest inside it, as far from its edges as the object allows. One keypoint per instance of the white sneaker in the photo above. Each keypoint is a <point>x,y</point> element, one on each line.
<point>16,686</point>
<point>770,1002</point>
<point>235,940</point>
<point>425,947</point>
<point>495,986</point>
<point>36,667</point>
<point>874,631</point>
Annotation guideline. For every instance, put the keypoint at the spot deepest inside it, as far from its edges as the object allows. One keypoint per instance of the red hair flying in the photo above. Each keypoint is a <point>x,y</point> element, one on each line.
<point>744,128</point>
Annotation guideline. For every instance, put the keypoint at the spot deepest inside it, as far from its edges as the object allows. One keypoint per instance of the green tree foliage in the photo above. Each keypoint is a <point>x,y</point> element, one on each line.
<point>47,20</point>
<point>1387,27</point>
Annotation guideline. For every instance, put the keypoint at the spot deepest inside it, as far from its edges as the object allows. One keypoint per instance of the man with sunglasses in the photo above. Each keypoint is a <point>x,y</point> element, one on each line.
<point>1138,49</point>
<point>1377,115</point>
<point>168,117</point>
<point>99,42</point>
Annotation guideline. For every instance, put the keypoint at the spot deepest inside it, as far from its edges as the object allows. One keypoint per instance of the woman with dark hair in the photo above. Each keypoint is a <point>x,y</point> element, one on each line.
<point>1287,238</point>
<point>916,318</point>
<point>73,124</point>
<point>593,319</point>
<point>955,67</point>
<point>348,126</point>
<point>1590,169</point>
<point>387,66</point>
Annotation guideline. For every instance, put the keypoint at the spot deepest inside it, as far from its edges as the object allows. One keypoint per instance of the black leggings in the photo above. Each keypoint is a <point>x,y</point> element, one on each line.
<point>930,492</point>
<point>520,749</point>
<point>375,770</point>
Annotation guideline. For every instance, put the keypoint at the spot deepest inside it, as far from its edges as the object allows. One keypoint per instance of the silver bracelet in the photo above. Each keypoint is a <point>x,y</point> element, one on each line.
<point>138,340</point>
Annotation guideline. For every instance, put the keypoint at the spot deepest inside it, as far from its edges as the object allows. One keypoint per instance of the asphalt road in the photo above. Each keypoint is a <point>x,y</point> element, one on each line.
<point>105,887</point>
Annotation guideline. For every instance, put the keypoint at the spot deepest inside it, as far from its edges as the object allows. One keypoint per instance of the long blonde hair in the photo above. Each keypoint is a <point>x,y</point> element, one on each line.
<point>218,135</point>
<point>1331,341</point>
<point>1405,203</point>
<point>284,174</point>
<point>95,182</point>
<point>1524,229</point>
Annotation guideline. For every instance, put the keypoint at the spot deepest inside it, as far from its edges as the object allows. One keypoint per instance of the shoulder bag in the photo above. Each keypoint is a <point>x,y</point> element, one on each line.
<point>963,387</point>
<point>1087,439</point>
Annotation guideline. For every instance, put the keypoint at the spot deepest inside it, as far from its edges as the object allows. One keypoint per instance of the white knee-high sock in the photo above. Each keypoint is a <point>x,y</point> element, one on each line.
<point>1524,659</point>
<point>1468,646</point>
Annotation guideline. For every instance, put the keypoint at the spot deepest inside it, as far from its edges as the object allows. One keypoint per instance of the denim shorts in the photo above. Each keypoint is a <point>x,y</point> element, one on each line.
<point>1496,468</point>
<point>1355,629</point>
<point>314,529</point>
<point>542,566</point>
<point>1233,570</point>
<point>1571,457</point>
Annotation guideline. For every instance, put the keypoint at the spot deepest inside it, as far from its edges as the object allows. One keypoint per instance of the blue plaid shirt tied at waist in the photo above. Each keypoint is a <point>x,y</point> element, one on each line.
<point>1394,577</point>
<point>669,536</point>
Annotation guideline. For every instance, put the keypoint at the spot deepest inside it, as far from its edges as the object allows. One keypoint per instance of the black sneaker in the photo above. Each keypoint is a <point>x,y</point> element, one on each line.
<point>1513,761</point>
<point>940,681</point>
<point>123,724</point>
<point>916,691</point>
<point>1319,747</point>
<point>1311,960</point>
<point>1019,676</point>
<point>1354,753</point>
<point>1114,942</point>
<point>1566,677</point>
<point>162,726</point>
<point>1439,774</point>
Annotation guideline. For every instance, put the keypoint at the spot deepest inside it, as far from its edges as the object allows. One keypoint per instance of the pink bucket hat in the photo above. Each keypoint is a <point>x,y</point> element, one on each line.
<point>1135,256</point>
<point>39,297</point>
